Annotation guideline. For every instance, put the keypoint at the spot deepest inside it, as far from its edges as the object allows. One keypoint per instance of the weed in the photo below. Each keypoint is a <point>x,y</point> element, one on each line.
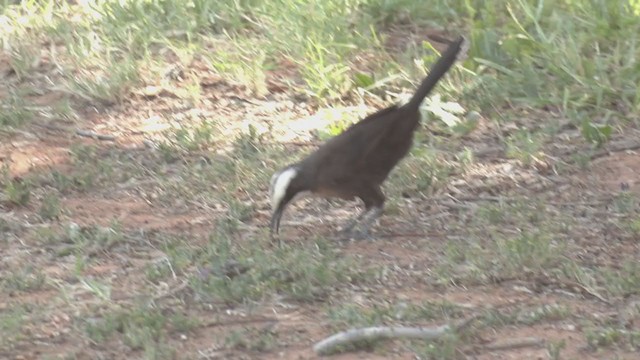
<point>179,256</point>
<point>12,321</point>
<point>183,323</point>
<point>84,241</point>
<point>108,81</point>
<point>248,145</point>
<point>598,337</point>
<point>93,166</point>
<point>530,250</point>
<point>625,281</point>
<point>350,315</point>
<point>50,207</point>
<point>191,138</point>
<point>251,271</point>
<point>259,340</point>
<point>158,271</point>
<point>140,328</point>
<point>16,191</point>
<point>24,279</point>
<point>551,312</point>
<point>634,226</point>
<point>624,202</point>
<point>14,111</point>
<point>528,316</point>
<point>98,289</point>
<point>554,348</point>
<point>596,134</point>
<point>422,171</point>
<point>447,347</point>
<point>524,146</point>
<point>242,60</point>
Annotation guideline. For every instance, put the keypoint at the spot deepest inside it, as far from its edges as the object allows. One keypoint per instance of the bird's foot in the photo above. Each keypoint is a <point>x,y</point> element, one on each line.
<point>361,234</point>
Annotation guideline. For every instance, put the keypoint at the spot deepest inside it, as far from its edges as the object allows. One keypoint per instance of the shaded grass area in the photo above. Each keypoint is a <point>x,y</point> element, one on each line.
<point>576,57</point>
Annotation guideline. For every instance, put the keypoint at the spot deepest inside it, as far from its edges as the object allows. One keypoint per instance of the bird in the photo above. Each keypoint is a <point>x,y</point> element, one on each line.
<point>355,163</point>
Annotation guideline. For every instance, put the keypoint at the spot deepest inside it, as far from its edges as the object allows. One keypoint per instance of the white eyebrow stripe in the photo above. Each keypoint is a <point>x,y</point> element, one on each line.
<point>279,183</point>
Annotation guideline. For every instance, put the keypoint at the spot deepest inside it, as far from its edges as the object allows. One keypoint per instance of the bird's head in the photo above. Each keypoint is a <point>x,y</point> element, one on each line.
<point>285,185</point>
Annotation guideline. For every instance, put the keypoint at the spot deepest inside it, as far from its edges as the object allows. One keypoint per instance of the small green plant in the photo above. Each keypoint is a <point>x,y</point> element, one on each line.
<point>179,256</point>
<point>448,347</point>
<point>551,312</point>
<point>108,80</point>
<point>623,282</point>
<point>625,202</point>
<point>350,315</point>
<point>634,226</point>
<point>12,321</point>
<point>17,191</point>
<point>140,328</point>
<point>421,171</point>
<point>86,240</point>
<point>254,271</point>
<point>325,72</point>
<point>247,145</point>
<point>524,146</point>
<point>24,57</point>
<point>14,111</point>
<point>596,134</point>
<point>50,207</point>
<point>191,138</point>
<point>259,340</point>
<point>504,257</point>
<point>24,279</point>
<point>183,323</point>
<point>158,271</point>
<point>554,348</point>
<point>603,337</point>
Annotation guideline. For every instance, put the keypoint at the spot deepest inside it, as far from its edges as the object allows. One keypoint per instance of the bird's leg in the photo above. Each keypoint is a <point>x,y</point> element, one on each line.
<point>353,222</point>
<point>365,225</point>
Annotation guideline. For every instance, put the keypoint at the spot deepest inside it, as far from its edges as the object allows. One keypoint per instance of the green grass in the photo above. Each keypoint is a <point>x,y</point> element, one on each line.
<point>525,54</point>
<point>600,338</point>
<point>141,328</point>
<point>259,270</point>
<point>495,251</point>
<point>351,315</point>
<point>82,241</point>
<point>24,280</point>
<point>12,321</point>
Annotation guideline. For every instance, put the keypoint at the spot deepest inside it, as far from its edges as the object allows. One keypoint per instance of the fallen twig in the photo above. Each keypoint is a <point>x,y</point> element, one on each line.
<point>387,332</point>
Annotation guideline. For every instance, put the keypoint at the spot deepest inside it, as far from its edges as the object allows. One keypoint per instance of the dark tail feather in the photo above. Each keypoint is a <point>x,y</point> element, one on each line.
<point>437,71</point>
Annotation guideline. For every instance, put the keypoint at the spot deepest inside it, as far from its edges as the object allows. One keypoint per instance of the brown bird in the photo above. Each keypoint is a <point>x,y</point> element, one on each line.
<point>355,163</point>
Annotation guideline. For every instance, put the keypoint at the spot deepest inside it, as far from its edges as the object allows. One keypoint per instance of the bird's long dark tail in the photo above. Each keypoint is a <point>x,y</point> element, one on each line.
<point>437,71</point>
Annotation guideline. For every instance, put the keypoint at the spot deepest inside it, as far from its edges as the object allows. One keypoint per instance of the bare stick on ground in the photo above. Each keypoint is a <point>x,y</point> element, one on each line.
<point>329,344</point>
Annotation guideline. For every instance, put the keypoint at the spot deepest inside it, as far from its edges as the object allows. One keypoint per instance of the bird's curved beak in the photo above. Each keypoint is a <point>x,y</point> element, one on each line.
<point>275,220</point>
